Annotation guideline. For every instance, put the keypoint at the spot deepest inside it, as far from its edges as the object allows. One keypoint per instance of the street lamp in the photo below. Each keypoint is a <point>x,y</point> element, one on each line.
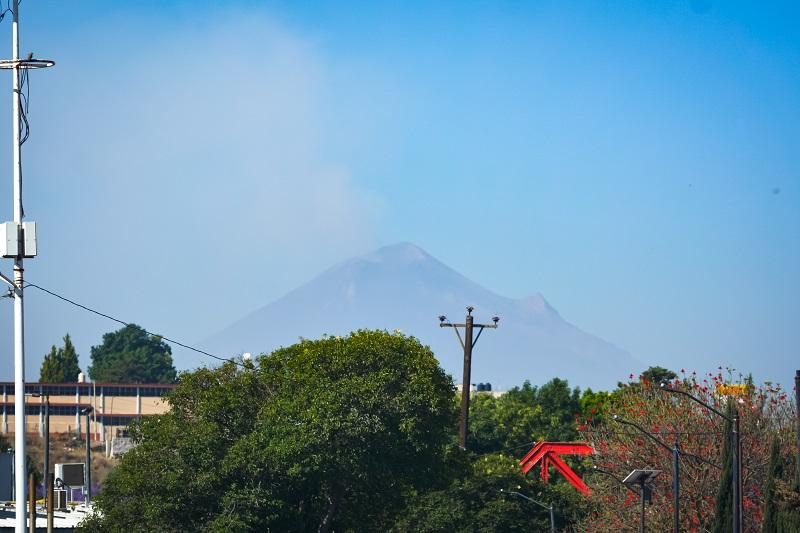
<point>642,478</point>
<point>736,456</point>
<point>87,471</point>
<point>618,479</point>
<point>540,504</point>
<point>676,486</point>
<point>635,478</point>
<point>676,453</point>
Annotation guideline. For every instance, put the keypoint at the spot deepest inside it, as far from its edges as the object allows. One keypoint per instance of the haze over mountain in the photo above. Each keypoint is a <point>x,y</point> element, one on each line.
<point>403,287</point>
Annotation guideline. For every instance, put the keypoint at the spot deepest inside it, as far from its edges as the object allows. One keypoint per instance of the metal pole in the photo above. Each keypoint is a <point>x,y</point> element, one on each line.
<point>737,475</point>
<point>552,521</point>
<point>797,422</point>
<point>94,408</point>
<point>641,518</point>
<point>46,444</point>
<point>50,503</point>
<point>88,469</point>
<point>676,488</point>
<point>19,347</point>
<point>466,386</point>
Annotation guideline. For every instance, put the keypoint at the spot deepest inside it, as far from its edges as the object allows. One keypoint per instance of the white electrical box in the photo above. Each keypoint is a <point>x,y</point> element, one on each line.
<point>9,239</point>
<point>29,239</point>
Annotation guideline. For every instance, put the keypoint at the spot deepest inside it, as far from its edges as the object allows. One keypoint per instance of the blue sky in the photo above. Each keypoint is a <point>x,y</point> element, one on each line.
<point>635,162</point>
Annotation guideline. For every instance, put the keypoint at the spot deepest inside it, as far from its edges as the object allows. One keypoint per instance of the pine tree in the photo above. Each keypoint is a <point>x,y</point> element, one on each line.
<point>132,355</point>
<point>774,472</point>
<point>61,364</point>
<point>723,511</point>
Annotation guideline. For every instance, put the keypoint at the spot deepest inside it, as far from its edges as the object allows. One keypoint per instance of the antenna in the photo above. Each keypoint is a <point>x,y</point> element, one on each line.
<point>20,243</point>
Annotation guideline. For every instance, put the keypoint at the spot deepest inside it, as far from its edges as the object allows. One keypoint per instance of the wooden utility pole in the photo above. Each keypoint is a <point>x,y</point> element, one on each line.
<point>467,343</point>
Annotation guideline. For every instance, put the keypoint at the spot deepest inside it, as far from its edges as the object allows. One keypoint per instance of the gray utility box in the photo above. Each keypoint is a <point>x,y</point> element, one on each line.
<point>11,240</point>
<point>70,474</point>
<point>59,499</point>
<point>6,477</point>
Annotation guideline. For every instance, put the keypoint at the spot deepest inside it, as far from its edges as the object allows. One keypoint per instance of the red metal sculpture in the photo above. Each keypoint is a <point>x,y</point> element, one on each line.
<point>547,454</point>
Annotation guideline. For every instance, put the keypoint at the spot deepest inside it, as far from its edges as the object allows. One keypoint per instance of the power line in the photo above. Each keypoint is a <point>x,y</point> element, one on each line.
<point>124,323</point>
<point>662,433</point>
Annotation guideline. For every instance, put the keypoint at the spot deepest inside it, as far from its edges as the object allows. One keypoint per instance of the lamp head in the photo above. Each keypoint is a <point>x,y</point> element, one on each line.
<point>442,318</point>
<point>495,319</point>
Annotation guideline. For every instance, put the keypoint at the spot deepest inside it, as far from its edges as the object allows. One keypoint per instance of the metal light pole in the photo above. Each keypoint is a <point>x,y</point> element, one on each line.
<point>87,471</point>
<point>639,478</point>
<point>468,344</point>
<point>540,504</point>
<point>737,473</point>
<point>24,246</point>
<point>19,320</point>
<point>642,479</point>
<point>676,485</point>
<point>797,427</point>
<point>736,456</point>
<point>46,444</point>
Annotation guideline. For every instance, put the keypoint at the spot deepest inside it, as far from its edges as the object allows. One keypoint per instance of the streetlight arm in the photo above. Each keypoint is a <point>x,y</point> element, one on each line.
<point>701,459</point>
<point>663,444</point>
<point>540,504</point>
<point>698,400</point>
<point>8,280</point>
<point>616,477</point>
<point>644,432</point>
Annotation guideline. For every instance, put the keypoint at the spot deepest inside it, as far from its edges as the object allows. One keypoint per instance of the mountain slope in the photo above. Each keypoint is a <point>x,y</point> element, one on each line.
<point>402,287</point>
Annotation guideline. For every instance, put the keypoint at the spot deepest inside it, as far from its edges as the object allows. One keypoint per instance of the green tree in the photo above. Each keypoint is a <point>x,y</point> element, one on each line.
<point>474,502</point>
<point>131,355</point>
<point>781,501</point>
<point>527,414</point>
<point>770,523</point>
<point>60,365</point>
<point>657,374</point>
<point>723,508</point>
<point>322,435</point>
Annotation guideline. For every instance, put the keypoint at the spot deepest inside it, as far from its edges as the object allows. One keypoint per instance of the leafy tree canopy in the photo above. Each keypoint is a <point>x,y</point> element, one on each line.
<point>474,501</point>
<point>522,415</point>
<point>657,374</point>
<point>60,365</point>
<point>323,435</point>
<point>130,355</point>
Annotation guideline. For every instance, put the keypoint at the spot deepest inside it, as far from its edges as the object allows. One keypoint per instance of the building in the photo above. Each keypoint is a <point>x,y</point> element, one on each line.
<point>480,388</point>
<point>114,406</point>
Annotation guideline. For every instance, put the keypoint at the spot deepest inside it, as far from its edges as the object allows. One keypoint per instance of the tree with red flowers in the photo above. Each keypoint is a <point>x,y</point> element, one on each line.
<point>765,412</point>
